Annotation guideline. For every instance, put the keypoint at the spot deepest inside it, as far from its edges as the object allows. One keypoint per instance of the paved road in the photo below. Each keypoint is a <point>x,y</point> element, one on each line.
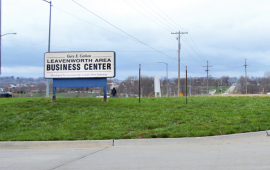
<point>247,151</point>
<point>230,90</point>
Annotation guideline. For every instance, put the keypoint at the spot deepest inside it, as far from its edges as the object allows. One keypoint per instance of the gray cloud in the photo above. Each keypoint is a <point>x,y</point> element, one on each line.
<point>225,32</point>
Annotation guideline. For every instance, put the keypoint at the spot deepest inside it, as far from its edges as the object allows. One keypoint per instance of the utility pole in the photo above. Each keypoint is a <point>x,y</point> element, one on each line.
<point>207,77</point>
<point>179,47</point>
<point>246,73</point>
<point>49,46</point>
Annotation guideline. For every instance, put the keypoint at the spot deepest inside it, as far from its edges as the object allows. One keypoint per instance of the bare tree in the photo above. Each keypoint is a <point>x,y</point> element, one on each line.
<point>225,80</point>
<point>147,85</point>
<point>41,86</point>
<point>130,86</point>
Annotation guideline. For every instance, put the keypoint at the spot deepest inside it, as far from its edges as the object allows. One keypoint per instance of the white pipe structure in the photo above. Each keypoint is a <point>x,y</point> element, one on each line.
<point>190,86</point>
<point>166,74</point>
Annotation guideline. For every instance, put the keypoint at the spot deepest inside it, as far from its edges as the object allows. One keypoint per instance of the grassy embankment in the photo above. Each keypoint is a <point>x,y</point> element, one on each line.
<point>121,118</point>
<point>57,94</point>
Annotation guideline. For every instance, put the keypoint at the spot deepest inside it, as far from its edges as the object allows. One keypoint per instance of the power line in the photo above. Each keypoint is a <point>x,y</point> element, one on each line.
<point>160,15</point>
<point>159,20</point>
<point>199,55</point>
<point>101,27</point>
<point>191,47</point>
<point>181,29</point>
<point>124,31</point>
<point>146,16</point>
<point>192,57</point>
<point>153,15</point>
<point>230,68</point>
<point>197,48</point>
<point>76,48</point>
<point>168,49</point>
<point>90,23</point>
<point>178,26</point>
<point>109,23</point>
<point>167,16</point>
<point>214,72</point>
<point>121,30</point>
<point>259,65</point>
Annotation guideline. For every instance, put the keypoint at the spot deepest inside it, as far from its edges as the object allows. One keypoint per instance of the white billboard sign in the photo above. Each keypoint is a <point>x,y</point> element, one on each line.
<point>79,64</point>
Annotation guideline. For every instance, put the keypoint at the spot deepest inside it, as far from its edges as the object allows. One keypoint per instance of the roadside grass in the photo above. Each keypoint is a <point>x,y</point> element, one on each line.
<point>40,119</point>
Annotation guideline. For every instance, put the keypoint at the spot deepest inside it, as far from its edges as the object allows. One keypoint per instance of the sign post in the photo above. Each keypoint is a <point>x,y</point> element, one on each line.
<point>80,69</point>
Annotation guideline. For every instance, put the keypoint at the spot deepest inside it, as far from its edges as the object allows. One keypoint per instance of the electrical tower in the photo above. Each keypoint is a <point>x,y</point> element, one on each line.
<point>207,77</point>
<point>179,47</point>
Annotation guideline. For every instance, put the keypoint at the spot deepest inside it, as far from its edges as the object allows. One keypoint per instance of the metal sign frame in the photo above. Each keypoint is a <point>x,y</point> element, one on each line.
<point>81,82</point>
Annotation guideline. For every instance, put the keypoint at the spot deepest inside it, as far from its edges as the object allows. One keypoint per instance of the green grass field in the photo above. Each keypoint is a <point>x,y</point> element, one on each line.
<point>35,119</point>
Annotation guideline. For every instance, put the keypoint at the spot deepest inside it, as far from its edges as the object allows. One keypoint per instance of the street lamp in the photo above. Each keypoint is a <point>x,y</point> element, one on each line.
<point>166,73</point>
<point>8,33</point>
<point>49,44</point>
<point>1,46</point>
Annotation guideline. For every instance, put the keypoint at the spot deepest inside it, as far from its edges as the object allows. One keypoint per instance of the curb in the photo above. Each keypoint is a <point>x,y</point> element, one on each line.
<point>208,140</point>
<point>55,144</point>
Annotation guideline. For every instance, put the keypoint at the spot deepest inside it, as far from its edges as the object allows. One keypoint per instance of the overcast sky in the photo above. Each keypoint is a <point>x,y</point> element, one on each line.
<point>223,32</point>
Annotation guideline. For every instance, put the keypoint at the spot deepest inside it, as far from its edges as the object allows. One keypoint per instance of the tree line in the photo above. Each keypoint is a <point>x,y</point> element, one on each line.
<point>196,86</point>
<point>130,86</point>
